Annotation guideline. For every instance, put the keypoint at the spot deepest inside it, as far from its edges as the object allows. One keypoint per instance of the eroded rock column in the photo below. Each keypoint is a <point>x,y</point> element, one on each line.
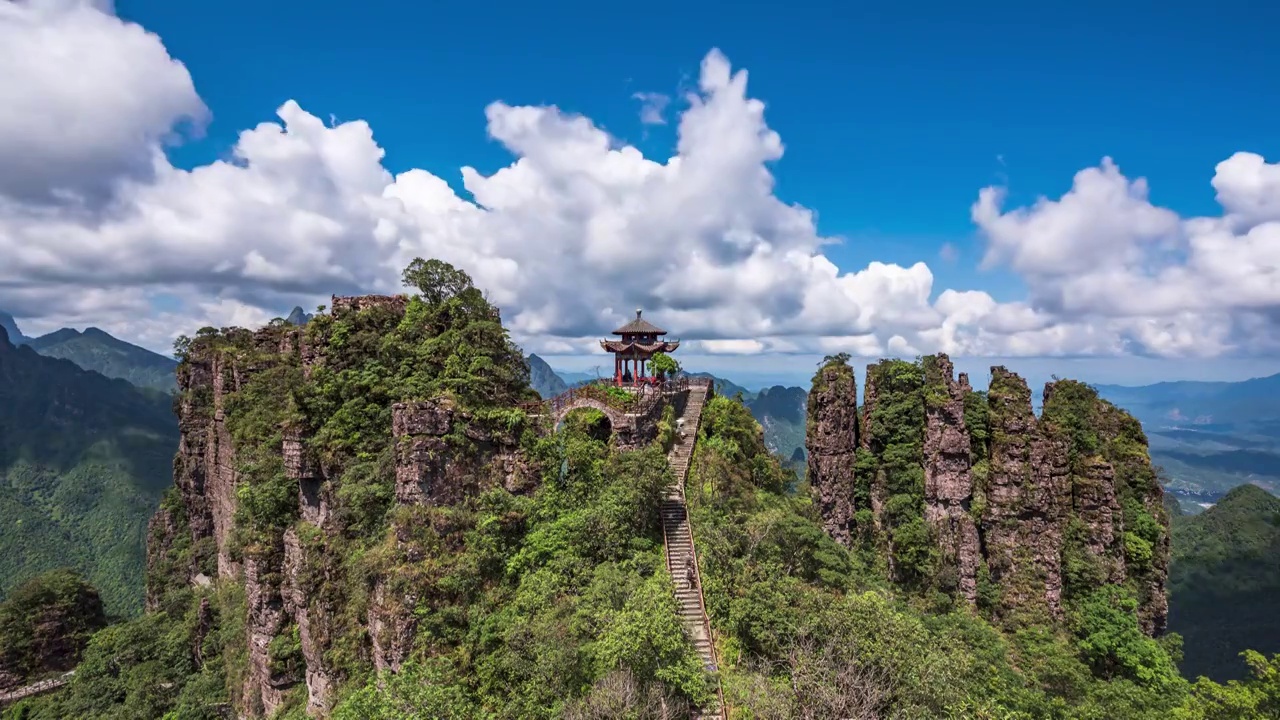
<point>831,438</point>
<point>948,482</point>
<point>1028,497</point>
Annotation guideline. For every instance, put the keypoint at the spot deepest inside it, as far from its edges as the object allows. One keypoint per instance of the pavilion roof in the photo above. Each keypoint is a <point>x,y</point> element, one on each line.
<point>622,346</point>
<point>639,326</point>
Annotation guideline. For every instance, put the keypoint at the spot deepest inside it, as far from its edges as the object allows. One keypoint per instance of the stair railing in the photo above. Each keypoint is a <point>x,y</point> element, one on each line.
<point>697,570</point>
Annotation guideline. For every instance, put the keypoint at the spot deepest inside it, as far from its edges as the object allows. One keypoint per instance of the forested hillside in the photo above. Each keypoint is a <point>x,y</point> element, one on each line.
<point>1225,582</point>
<point>83,461</point>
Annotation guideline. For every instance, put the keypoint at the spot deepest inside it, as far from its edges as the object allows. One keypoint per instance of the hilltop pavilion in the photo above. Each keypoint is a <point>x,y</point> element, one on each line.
<point>641,340</point>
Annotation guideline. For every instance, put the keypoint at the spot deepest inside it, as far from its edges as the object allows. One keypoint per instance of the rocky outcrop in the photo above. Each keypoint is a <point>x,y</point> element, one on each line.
<point>1028,498</point>
<point>392,622</point>
<point>301,466</point>
<point>267,681</point>
<point>298,602</point>
<point>1009,499</point>
<point>442,456</point>
<point>312,617</point>
<point>948,482</point>
<point>875,484</point>
<point>1095,504</point>
<point>832,439</point>
<point>162,534</point>
<point>204,468</point>
<point>204,624</point>
<point>1153,610</point>
<point>421,452</point>
<point>348,304</point>
<point>391,626</point>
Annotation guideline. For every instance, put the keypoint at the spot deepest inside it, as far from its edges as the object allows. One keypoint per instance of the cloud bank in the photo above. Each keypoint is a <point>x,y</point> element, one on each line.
<point>98,227</point>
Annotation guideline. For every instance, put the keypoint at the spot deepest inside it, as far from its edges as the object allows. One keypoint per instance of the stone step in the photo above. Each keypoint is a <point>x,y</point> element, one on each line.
<point>679,547</point>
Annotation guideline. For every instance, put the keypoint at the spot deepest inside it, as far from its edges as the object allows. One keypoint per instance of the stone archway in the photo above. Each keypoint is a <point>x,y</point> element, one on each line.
<point>617,419</point>
<point>594,423</point>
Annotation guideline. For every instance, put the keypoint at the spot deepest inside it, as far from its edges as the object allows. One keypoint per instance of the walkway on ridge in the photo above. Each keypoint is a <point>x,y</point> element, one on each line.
<point>678,536</point>
<point>36,688</point>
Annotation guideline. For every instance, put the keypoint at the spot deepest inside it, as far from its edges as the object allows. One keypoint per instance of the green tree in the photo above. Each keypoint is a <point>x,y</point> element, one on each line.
<point>436,280</point>
<point>429,690</point>
<point>664,364</point>
<point>46,623</point>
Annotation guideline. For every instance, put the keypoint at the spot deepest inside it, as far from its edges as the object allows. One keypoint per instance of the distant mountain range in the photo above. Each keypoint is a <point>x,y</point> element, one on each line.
<point>543,379</point>
<point>11,330</point>
<point>298,317</point>
<point>83,460</point>
<point>1209,436</point>
<point>96,350</point>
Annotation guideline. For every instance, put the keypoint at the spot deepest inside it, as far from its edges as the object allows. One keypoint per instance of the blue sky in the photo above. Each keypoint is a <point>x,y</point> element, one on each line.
<point>893,118</point>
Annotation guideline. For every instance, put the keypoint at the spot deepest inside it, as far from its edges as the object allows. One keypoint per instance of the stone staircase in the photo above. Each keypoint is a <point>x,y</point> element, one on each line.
<point>679,545</point>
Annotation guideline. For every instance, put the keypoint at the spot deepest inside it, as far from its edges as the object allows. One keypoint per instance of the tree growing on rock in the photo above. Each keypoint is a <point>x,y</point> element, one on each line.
<point>436,280</point>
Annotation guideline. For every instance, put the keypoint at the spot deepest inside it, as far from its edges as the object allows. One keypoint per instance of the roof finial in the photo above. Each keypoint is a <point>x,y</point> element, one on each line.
<point>638,311</point>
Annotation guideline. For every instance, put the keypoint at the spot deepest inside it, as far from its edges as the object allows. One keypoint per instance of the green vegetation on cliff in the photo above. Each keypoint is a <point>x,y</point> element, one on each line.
<point>540,595</point>
<point>804,628</point>
<point>45,624</point>
<point>408,542</point>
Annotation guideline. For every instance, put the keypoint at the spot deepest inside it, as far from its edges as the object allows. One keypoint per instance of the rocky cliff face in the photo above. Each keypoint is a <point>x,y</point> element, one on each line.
<point>1022,514</point>
<point>1027,498</point>
<point>832,432</point>
<point>204,468</point>
<point>303,603</point>
<point>948,480</point>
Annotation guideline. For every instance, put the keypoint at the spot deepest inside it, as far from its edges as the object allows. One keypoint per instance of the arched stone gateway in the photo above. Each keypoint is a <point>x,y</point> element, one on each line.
<point>617,419</point>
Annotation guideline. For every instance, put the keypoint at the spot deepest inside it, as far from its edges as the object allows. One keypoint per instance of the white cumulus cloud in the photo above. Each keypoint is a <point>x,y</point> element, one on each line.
<point>579,229</point>
<point>1142,278</point>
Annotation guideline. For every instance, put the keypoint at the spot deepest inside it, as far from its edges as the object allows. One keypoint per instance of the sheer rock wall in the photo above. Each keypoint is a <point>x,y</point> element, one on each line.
<point>293,607</point>
<point>1010,507</point>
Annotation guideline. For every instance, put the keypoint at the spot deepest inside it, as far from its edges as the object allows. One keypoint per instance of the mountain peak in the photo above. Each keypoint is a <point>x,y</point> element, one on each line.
<point>543,379</point>
<point>97,350</point>
<point>1247,498</point>
<point>10,327</point>
<point>298,316</point>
